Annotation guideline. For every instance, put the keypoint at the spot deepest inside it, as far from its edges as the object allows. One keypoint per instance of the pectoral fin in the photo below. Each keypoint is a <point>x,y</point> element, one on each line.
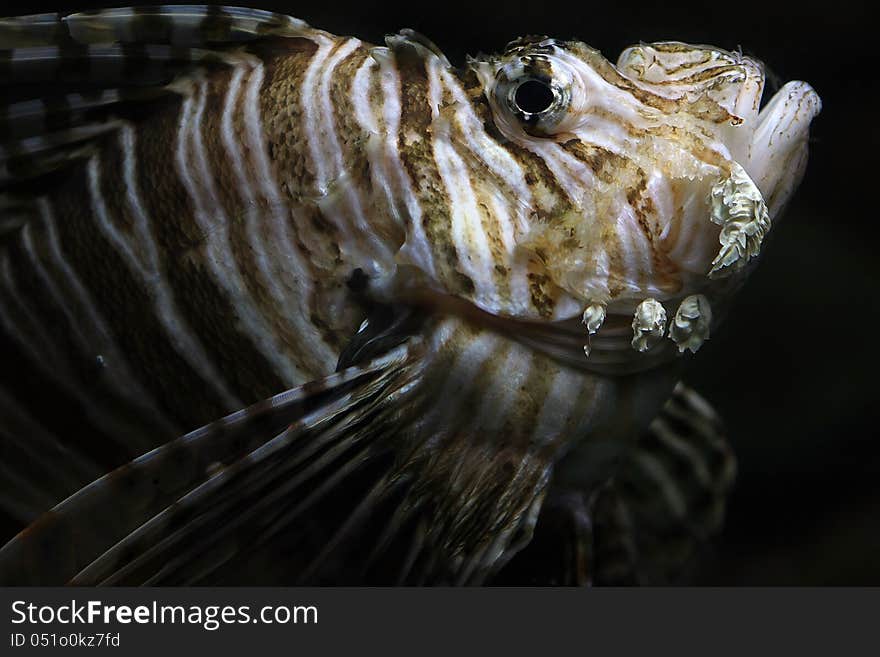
<point>171,515</point>
<point>645,524</point>
<point>339,481</point>
<point>668,498</point>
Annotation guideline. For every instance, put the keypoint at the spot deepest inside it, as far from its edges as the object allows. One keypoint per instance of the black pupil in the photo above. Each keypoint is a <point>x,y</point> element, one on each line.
<point>533,96</point>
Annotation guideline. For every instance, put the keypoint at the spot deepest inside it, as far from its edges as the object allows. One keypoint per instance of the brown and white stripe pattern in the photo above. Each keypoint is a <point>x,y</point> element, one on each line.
<point>195,256</point>
<point>437,179</point>
<point>240,209</point>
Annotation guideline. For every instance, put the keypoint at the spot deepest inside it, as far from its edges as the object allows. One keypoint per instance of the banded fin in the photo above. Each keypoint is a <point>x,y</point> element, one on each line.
<point>178,25</point>
<point>68,80</point>
<point>642,526</point>
<point>668,497</point>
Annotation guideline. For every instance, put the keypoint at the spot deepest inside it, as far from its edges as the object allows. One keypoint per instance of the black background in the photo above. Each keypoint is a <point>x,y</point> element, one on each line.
<point>794,369</point>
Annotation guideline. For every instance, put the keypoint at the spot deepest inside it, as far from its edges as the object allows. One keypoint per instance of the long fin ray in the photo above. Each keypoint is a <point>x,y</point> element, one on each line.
<point>364,431</point>
<point>244,490</point>
<point>80,529</point>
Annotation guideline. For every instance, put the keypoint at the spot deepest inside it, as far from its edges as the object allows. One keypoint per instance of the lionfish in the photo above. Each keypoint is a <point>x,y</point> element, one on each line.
<point>281,306</point>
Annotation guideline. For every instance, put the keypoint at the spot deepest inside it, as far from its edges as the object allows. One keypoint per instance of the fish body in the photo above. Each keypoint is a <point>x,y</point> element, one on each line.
<point>216,205</point>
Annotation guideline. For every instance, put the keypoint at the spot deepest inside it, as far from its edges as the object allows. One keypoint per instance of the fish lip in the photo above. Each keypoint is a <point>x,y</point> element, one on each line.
<point>782,126</point>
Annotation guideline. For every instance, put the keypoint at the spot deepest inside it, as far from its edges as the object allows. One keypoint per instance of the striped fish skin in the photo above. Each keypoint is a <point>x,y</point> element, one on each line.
<point>199,257</point>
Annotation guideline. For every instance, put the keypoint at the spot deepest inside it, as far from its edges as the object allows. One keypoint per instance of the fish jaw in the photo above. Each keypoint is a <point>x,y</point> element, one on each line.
<point>777,153</point>
<point>761,177</point>
<point>764,150</point>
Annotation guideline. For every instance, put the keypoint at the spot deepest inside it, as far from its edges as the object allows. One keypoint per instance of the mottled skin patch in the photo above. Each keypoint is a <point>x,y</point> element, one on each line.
<point>417,154</point>
<point>316,238</point>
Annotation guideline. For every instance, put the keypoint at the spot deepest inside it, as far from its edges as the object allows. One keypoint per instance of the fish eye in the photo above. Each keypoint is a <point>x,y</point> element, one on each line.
<point>533,96</point>
<point>536,93</point>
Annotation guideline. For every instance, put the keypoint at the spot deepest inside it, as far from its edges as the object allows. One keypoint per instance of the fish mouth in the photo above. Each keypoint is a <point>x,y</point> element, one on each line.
<point>768,145</point>
<point>763,175</point>
<point>778,147</point>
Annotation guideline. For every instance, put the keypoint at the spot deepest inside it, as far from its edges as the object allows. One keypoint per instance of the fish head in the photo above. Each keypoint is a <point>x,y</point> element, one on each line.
<point>657,178</point>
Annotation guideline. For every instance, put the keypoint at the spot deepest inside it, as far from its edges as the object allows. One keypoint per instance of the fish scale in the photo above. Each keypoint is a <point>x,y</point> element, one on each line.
<point>214,204</point>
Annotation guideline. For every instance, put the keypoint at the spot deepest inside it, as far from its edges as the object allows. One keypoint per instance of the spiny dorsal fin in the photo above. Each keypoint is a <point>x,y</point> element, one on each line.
<point>67,80</point>
<point>178,25</point>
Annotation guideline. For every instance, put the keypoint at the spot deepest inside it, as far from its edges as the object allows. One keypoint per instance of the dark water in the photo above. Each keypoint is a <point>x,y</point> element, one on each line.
<point>794,370</point>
